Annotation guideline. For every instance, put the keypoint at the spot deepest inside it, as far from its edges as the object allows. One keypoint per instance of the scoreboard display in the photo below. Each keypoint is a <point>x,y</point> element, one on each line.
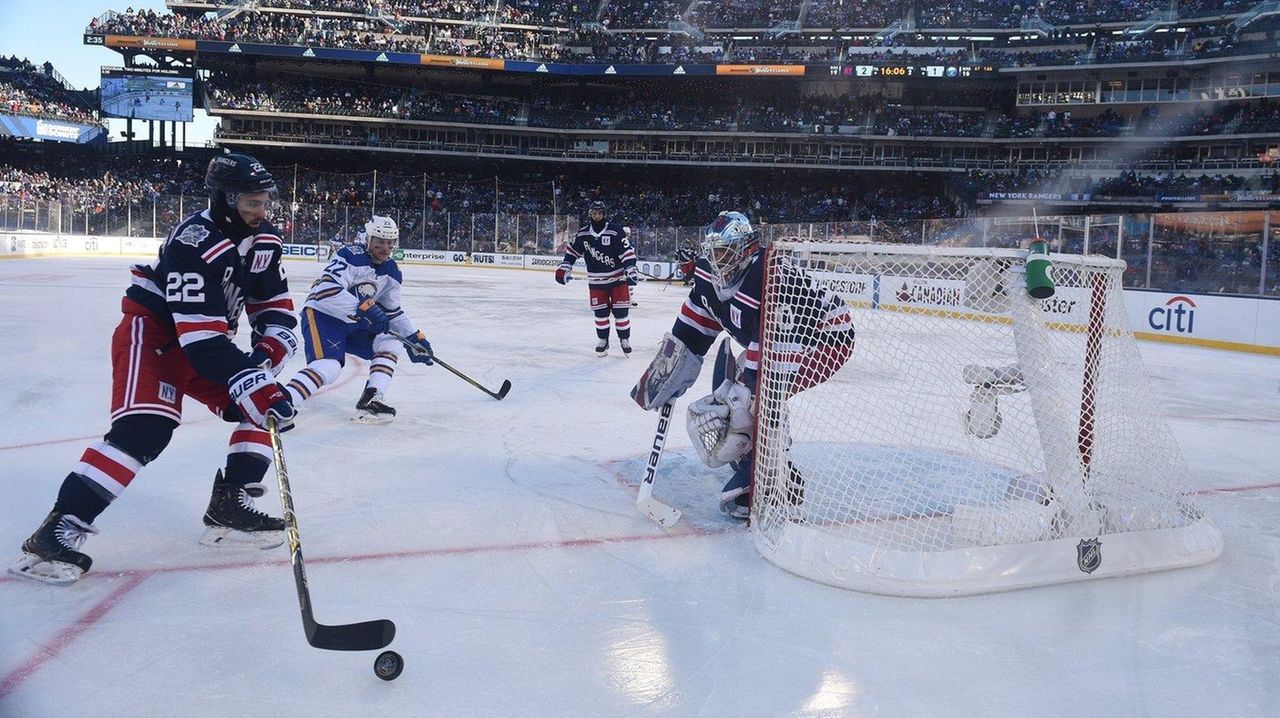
<point>909,70</point>
<point>147,93</point>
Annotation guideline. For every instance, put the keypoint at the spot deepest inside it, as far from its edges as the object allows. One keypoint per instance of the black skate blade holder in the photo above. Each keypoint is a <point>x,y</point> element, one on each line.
<point>366,636</point>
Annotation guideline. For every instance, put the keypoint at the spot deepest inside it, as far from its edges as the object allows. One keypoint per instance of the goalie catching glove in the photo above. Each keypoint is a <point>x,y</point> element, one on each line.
<point>721,424</point>
<point>670,374</point>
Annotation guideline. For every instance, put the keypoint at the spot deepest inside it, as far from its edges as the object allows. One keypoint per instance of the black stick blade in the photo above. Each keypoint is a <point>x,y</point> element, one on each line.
<point>506,387</point>
<point>367,636</point>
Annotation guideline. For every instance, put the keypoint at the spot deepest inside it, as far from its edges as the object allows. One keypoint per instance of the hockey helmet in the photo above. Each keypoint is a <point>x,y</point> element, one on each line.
<point>597,206</point>
<point>382,228</point>
<point>229,176</point>
<point>729,244</point>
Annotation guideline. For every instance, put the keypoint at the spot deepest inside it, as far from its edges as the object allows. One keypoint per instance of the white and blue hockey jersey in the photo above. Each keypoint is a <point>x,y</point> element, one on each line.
<point>350,278</point>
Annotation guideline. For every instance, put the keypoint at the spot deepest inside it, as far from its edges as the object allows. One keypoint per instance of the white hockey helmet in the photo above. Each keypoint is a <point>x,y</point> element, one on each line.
<point>383,228</point>
<point>729,243</point>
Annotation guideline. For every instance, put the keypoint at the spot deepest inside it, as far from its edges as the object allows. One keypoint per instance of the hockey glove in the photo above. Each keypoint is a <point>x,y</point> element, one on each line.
<point>633,276</point>
<point>419,349</point>
<point>273,348</point>
<point>564,273</point>
<point>372,318</point>
<point>258,396</point>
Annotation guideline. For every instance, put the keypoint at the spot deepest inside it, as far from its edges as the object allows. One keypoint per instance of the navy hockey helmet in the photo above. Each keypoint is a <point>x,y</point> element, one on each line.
<point>228,177</point>
<point>729,244</point>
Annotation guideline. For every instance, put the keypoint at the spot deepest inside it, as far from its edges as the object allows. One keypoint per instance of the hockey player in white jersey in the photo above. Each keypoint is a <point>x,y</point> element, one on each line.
<point>351,310</point>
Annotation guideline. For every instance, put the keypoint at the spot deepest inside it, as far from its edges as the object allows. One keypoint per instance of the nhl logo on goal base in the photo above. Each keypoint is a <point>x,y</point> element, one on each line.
<point>1089,555</point>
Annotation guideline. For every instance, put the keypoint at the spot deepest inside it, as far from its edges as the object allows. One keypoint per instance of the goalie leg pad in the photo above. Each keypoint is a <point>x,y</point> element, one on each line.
<point>735,499</point>
<point>673,370</point>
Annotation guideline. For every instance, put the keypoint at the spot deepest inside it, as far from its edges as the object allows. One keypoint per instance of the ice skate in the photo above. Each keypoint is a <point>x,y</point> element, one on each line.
<point>626,347</point>
<point>370,410</point>
<point>602,348</point>
<point>233,521</point>
<point>52,553</point>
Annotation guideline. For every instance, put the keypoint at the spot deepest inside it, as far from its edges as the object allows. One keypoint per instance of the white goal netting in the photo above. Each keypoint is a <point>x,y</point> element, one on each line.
<point>974,440</point>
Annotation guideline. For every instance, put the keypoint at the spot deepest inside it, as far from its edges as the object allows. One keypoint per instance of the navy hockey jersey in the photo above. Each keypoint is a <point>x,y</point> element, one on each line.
<point>606,253</point>
<point>202,281</point>
<point>817,317</point>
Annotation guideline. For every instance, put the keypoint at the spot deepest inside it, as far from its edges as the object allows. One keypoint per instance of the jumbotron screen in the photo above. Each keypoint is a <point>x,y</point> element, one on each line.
<point>147,93</point>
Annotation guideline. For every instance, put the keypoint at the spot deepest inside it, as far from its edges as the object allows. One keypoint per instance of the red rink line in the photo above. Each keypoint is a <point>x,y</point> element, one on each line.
<point>133,578</point>
<point>67,636</point>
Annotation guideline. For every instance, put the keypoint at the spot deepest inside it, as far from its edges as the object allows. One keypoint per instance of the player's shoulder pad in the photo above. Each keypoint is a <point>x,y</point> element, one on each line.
<point>355,255</point>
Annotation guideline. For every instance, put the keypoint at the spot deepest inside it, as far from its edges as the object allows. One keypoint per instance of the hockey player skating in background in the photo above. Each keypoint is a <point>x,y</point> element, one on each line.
<point>352,306</point>
<point>687,259</point>
<point>727,289</point>
<point>611,266</point>
<point>174,341</point>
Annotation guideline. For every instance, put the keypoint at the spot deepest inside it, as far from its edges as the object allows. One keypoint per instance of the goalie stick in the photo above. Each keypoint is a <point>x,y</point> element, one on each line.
<point>500,394</point>
<point>665,515</point>
<point>366,636</point>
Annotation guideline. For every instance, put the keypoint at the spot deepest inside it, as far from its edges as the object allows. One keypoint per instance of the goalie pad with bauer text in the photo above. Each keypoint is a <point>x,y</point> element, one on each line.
<point>721,424</point>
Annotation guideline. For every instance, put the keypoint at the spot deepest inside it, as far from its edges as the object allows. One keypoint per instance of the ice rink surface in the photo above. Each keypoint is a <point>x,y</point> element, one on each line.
<point>502,539</point>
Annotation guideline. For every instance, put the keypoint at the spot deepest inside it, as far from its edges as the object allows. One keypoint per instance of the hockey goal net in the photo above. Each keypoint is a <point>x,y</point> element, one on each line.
<point>975,439</point>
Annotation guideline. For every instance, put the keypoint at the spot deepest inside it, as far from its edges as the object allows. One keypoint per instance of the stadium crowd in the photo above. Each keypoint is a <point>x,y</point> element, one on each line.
<point>33,91</point>
<point>566,30</point>
<point>656,109</point>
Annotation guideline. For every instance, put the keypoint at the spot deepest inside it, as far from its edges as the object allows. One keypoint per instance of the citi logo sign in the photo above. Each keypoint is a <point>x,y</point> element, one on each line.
<point>1178,315</point>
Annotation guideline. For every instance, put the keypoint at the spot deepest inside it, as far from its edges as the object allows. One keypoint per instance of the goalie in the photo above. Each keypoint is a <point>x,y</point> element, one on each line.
<point>816,339</point>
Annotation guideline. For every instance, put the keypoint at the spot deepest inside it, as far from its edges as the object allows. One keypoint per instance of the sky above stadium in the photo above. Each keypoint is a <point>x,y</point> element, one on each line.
<point>55,32</point>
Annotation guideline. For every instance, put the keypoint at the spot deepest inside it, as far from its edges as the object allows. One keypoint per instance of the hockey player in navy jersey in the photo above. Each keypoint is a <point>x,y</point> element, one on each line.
<point>611,270</point>
<point>727,289</point>
<point>351,309</point>
<point>175,341</point>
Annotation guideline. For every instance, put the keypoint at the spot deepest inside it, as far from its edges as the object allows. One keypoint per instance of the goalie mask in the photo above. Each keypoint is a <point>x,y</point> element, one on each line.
<point>729,244</point>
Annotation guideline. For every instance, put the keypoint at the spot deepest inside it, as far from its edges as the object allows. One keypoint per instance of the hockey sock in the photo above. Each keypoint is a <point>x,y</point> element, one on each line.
<point>81,498</point>
<point>245,468</point>
<point>381,369</point>
<point>622,322</point>
<point>249,454</point>
<point>602,323</point>
<point>313,376</point>
<point>104,471</point>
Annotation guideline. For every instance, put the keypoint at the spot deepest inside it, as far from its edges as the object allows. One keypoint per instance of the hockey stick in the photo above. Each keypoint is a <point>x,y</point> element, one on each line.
<point>499,394</point>
<point>665,515</point>
<point>367,636</point>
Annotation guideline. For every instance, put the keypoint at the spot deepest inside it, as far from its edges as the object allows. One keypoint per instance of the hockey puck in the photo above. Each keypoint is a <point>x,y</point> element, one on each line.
<point>388,665</point>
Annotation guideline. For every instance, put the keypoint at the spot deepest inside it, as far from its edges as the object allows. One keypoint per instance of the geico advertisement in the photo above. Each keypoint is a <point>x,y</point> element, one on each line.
<point>302,251</point>
<point>487,259</point>
<point>542,261</point>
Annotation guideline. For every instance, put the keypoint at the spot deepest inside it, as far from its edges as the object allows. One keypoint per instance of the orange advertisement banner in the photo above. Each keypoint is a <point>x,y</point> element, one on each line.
<point>759,69</point>
<point>166,43</point>
<point>480,63</point>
